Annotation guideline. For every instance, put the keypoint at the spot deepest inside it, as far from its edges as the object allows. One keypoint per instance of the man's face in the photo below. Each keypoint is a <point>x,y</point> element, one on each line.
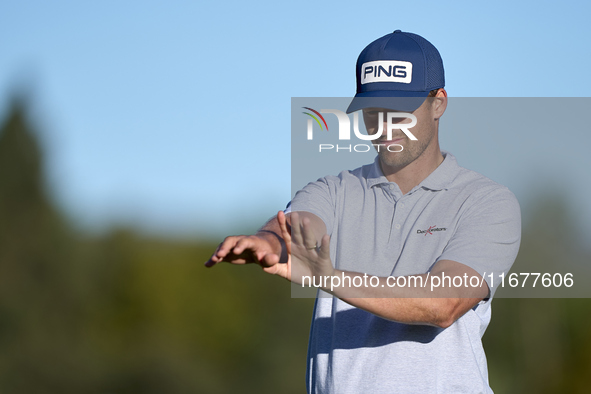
<point>425,131</point>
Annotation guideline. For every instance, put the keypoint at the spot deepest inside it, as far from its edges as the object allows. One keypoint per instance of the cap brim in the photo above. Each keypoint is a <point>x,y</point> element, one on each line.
<point>394,100</point>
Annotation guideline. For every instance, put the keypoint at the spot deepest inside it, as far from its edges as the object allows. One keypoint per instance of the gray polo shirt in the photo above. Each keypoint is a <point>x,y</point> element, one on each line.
<point>454,214</point>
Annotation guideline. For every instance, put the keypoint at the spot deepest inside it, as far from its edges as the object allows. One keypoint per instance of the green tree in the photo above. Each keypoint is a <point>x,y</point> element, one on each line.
<point>37,309</point>
<point>542,345</point>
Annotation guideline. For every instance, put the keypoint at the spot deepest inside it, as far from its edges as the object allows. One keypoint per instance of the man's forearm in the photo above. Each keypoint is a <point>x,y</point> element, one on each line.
<point>410,299</point>
<point>410,305</point>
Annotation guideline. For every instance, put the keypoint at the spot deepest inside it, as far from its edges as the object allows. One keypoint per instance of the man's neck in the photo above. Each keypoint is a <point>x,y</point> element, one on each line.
<point>414,173</point>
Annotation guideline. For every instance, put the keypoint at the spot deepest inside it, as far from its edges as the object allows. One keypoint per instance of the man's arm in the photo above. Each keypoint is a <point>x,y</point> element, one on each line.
<point>440,306</point>
<point>310,254</point>
<point>267,247</point>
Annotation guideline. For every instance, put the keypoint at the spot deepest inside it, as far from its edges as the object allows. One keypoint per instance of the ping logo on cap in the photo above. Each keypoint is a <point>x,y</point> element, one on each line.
<point>386,71</point>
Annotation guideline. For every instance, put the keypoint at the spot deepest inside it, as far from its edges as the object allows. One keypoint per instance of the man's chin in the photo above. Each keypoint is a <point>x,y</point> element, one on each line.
<point>394,160</point>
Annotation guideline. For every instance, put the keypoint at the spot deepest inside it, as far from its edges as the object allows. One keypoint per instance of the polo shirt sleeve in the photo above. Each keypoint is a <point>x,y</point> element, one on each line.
<point>318,199</point>
<point>487,235</point>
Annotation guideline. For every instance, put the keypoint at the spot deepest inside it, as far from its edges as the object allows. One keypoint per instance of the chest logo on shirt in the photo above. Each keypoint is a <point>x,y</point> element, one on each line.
<point>430,230</point>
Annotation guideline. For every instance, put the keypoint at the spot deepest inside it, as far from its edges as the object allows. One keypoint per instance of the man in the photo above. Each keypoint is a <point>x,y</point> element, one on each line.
<point>412,215</point>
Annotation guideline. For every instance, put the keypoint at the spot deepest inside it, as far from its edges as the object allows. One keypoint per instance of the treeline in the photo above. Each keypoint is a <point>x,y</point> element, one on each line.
<point>122,313</point>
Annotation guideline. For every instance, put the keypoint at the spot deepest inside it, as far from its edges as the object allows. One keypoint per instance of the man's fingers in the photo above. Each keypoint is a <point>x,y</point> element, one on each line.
<point>285,234</point>
<point>310,241</point>
<point>220,252</point>
<point>210,263</point>
<point>237,250</point>
<point>277,269</point>
<point>244,249</point>
<point>324,250</point>
<point>244,244</point>
<point>226,246</point>
<point>296,231</point>
<point>269,260</point>
<point>282,220</point>
<point>230,258</point>
<point>271,265</point>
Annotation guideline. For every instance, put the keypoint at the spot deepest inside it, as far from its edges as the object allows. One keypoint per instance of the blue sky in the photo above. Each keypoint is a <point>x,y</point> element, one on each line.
<point>175,116</point>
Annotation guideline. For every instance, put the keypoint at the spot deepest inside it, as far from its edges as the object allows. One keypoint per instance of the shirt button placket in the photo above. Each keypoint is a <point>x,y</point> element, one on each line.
<point>399,212</point>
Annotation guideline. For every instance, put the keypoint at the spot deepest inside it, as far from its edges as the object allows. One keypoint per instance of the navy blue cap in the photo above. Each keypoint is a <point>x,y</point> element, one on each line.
<point>397,71</point>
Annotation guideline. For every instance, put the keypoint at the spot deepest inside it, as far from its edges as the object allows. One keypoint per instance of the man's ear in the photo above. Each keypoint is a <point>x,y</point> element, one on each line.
<point>439,103</point>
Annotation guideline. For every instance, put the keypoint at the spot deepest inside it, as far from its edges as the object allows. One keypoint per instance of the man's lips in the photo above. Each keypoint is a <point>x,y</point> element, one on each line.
<point>390,142</point>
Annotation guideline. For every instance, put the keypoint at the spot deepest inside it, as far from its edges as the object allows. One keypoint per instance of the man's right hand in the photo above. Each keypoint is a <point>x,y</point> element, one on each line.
<point>243,249</point>
<point>267,248</point>
<point>271,247</point>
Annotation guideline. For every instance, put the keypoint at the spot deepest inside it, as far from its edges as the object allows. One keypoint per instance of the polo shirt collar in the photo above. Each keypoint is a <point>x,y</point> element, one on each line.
<point>443,175</point>
<point>376,176</point>
<point>439,179</point>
